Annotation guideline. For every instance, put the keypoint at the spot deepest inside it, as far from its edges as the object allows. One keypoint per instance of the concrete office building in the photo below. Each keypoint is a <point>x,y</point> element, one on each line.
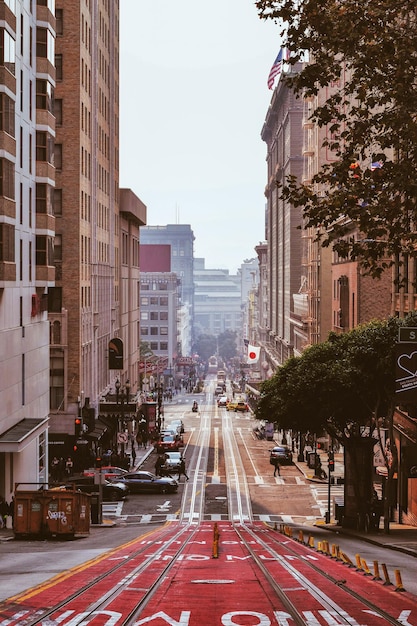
<point>27,225</point>
<point>217,300</point>
<point>181,239</point>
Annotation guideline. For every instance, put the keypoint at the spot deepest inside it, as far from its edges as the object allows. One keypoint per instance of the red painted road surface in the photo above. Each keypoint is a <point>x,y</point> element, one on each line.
<point>179,576</point>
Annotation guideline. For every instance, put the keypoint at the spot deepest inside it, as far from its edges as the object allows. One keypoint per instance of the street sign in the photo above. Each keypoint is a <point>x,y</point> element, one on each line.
<point>407,334</point>
<point>122,438</point>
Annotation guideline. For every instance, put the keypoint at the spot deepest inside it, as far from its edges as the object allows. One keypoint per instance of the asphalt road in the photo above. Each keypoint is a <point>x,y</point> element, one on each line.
<point>290,498</point>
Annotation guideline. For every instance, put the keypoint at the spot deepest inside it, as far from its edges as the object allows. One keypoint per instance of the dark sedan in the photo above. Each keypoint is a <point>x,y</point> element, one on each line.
<point>281,454</point>
<point>113,491</point>
<point>146,482</point>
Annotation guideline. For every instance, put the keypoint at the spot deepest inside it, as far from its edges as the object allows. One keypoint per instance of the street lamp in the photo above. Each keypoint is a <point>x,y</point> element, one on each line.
<point>127,387</point>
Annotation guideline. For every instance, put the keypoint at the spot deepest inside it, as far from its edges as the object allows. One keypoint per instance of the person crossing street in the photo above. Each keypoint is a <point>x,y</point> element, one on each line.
<point>181,470</point>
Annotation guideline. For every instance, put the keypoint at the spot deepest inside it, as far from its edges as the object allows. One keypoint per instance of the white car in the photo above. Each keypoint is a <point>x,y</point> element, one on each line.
<point>222,401</point>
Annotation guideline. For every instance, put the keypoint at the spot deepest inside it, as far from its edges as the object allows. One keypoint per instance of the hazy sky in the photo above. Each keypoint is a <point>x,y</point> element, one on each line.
<point>193,100</point>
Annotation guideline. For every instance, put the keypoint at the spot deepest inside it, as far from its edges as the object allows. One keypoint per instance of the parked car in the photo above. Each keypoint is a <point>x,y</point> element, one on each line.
<point>282,454</point>
<point>240,405</point>
<point>171,463</point>
<point>218,391</point>
<point>112,491</point>
<point>178,424</point>
<point>168,443</point>
<point>222,401</point>
<point>146,482</point>
<point>109,471</point>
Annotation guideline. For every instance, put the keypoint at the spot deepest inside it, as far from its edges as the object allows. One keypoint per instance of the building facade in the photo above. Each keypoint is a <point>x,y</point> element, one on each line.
<point>181,239</point>
<point>97,240</point>
<point>218,300</point>
<point>27,227</point>
<point>282,133</point>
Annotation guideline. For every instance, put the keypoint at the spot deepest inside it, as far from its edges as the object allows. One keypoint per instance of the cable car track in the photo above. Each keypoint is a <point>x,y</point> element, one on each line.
<point>291,579</point>
<point>166,538</point>
<point>340,584</point>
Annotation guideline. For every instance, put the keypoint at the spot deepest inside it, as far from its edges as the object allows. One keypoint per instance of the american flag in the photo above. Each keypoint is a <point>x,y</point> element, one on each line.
<point>275,70</point>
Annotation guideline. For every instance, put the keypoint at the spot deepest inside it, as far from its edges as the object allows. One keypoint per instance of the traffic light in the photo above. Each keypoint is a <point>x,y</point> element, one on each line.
<point>99,461</point>
<point>78,427</point>
<point>331,461</point>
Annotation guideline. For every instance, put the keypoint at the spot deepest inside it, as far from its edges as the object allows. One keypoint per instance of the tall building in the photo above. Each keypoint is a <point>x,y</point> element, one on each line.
<point>27,225</point>
<point>90,300</point>
<point>218,300</point>
<point>282,133</point>
<point>181,239</point>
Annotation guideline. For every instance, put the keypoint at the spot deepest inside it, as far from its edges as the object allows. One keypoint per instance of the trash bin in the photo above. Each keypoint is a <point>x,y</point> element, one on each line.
<point>312,460</point>
<point>94,504</point>
<point>51,513</point>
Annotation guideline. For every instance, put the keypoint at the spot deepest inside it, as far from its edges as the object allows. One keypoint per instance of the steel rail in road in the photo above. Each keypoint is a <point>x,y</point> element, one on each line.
<point>192,509</point>
<point>239,500</point>
<point>104,581</point>
<point>290,555</point>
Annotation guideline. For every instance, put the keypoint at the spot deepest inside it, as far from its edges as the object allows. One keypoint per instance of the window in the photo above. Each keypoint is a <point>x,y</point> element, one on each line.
<point>57,202</point>
<point>59,16</point>
<point>44,250</point>
<point>44,198</point>
<point>164,301</point>
<point>154,315</point>
<point>154,330</point>
<point>58,156</point>
<point>45,44</point>
<point>144,330</point>
<point>144,315</point>
<point>47,3</point>
<point>163,315</point>
<point>44,147</point>
<point>7,242</point>
<point>164,330</point>
<point>56,379</point>
<point>144,301</point>
<point>58,67</point>
<point>154,300</point>
<point>7,114</point>
<point>7,179</point>
<point>44,92</point>
<point>154,345</point>
<point>58,111</point>
<point>163,345</point>
<point>7,51</point>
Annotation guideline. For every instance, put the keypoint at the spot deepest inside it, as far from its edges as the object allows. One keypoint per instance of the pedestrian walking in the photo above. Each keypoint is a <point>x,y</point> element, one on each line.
<point>133,456</point>
<point>181,470</point>
<point>277,469</point>
<point>158,464</point>
<point>69,466</point>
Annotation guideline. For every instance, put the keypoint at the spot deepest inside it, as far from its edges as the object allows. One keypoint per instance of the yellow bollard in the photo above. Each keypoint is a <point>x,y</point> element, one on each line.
<point>216,535</point>
<point>386,575</point>
<point>365,568</point>
<point>398,581</point>
<point>346,559</point>
<point>311,541</point>
<point>358,562</point>
<point>300,536</point>
<point>376,571</point>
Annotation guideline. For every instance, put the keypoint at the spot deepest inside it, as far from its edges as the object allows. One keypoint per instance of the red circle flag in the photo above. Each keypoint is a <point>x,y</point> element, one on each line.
<point>252,355</point>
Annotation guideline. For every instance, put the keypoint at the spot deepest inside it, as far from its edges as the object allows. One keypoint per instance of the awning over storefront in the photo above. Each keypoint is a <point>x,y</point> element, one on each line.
<point>22,434</point>
<point>102,425</point>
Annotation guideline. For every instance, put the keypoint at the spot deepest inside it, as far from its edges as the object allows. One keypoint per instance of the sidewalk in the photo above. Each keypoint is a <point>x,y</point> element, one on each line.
<point>401,537</point>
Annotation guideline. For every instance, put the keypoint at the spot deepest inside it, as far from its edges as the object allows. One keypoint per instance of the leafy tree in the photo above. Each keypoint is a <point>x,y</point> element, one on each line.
<point>344,386</point>
<point>227,344</point>
<point>205,346</point>
<point>366,52</point>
